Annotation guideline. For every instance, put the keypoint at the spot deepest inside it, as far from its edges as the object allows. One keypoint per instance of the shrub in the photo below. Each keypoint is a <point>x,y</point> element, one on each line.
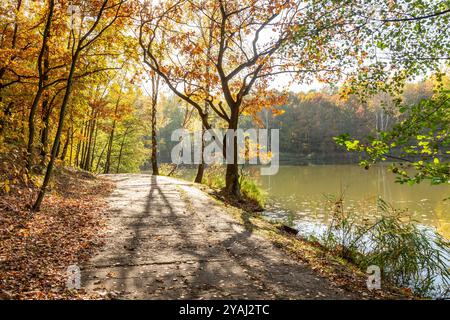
<point>215,178</point>
<point>252,191</point>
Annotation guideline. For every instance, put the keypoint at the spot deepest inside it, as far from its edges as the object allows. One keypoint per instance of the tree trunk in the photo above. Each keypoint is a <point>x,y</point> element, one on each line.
<point>200,173</point>
<point>77,154</point>
<point>111,136</point>
<point>47,107</point>
<point>121,149</point>
<point>100,157</point>
<point>155,170</point>
<point>87,163</point>
<point>232,172</point>
<point>62,113</point>
<point>83,143</point>
<point>66,145</point>
<point>94,145</point>
<point>43,75</point>
<point>155,88</point>
<point>201,166</point>
<point>232,180</point>
<point>71,146</point>
<point>45,130</point>
<point>108,152</point>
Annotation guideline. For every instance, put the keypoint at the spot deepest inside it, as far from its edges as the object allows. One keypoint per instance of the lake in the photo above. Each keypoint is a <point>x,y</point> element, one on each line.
<point>298,194</point>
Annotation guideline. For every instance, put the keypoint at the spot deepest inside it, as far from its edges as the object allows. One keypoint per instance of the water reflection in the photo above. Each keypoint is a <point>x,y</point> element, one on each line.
<point>298,193</point>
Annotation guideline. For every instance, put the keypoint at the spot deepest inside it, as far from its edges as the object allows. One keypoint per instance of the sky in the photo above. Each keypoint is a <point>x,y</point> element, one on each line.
<point>282,82</point>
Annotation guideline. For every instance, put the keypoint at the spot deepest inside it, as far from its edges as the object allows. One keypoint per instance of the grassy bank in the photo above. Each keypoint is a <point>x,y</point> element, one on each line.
<point>406,254</point>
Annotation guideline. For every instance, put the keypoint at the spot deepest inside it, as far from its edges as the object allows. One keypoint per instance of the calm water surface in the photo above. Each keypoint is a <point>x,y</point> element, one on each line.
<point>299,195</point>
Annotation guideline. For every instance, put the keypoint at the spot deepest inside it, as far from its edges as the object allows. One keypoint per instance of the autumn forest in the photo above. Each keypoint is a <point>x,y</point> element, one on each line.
<point>92,91</point>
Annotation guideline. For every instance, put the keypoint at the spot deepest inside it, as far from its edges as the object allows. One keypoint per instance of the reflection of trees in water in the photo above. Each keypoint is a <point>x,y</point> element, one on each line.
<point>441,217</point>
<point>301,189</point>
<point>383,186</point>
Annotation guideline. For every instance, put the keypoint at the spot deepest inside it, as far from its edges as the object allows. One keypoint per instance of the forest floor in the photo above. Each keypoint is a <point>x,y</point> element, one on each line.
<point>168,239</point>
<point>36,248</point>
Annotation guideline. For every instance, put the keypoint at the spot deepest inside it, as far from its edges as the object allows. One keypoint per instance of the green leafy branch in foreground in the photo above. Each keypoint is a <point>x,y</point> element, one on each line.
<point>419,145</point>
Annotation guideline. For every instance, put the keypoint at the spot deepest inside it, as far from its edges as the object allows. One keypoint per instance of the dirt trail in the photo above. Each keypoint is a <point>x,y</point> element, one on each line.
<point>168,240</point>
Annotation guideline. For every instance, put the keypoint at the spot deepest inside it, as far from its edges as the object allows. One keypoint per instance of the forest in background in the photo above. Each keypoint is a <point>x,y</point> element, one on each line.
<point>308,122</point>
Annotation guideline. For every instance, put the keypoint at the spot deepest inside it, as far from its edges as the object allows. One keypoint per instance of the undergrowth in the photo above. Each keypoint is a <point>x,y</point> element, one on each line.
<point>214,178</point>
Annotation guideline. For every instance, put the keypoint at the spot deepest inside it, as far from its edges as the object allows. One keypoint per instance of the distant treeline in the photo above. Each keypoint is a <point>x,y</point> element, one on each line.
<point>310,121</point>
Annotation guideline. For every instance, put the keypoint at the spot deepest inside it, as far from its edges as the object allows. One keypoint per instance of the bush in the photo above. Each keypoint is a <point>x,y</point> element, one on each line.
<point>250,190</point>
<point>215,178</point>
<point>171,170</point>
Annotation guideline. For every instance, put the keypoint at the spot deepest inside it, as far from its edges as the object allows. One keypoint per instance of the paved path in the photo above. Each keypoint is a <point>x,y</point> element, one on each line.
<point>168,240</point>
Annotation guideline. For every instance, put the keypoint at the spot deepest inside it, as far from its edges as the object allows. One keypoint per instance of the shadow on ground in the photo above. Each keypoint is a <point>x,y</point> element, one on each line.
<point>169,240</point>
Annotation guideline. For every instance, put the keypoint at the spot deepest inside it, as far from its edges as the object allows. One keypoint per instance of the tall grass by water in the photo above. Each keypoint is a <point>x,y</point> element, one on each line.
<point>407,254</point>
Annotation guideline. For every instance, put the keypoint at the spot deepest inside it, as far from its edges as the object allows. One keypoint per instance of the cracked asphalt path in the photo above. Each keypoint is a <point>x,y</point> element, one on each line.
<point>166,239</point>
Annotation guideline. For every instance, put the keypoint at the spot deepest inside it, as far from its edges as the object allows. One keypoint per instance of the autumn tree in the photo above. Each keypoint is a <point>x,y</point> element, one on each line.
<point>43,69</point>
<point>229,74</point>
<point>155,81</point>
<point>16,50</point>
<point>95,20</point>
